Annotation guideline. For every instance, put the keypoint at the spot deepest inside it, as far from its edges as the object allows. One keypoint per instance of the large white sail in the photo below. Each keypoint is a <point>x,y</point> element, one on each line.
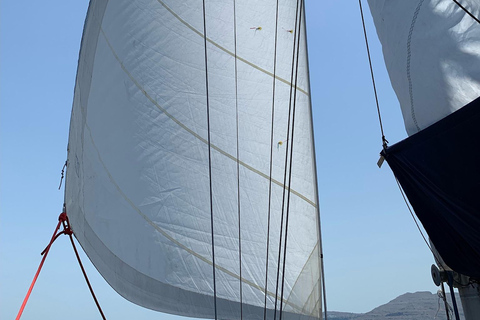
<point>431,49</point>
<point>140,184</point>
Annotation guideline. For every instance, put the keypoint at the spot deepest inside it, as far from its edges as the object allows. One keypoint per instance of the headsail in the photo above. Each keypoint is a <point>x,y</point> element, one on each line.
<point>432,52</point>
<point>149,172</point>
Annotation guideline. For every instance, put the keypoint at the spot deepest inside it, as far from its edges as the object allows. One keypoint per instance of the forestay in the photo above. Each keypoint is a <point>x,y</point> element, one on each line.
<point>138,179</point>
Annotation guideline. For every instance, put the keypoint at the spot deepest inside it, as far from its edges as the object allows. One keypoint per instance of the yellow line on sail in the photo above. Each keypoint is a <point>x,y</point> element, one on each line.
<point>228,51</point>
<point>172,239</point>
<point>155,226</point>
<point>196,135</point>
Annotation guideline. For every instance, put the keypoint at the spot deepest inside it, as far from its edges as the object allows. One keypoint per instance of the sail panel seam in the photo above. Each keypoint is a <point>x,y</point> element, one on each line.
<point>226,50</point>
<point>303,268</point>
<point>409,54</point>
<point>169,237</point>
<point>196,135</point>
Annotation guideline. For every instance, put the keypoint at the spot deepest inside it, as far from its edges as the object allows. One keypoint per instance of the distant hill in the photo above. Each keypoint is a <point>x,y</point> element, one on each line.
<point>409,306</point>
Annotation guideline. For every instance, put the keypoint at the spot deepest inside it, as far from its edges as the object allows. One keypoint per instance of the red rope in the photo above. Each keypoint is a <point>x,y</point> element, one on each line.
<point>62,219</point>
<point>38,270</point>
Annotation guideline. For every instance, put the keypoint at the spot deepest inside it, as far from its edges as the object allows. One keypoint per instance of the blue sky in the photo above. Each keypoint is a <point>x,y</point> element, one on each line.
<point>373,250</point>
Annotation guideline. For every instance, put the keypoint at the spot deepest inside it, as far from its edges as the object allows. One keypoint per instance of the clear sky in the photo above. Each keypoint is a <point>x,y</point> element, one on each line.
<point>373,250</point>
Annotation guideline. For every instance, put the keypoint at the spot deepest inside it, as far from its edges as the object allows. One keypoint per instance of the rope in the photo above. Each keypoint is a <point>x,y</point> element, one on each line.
<point>62,220</point>
<point>384,140</point>
<point>238,162</point>
<point>285,171</point>
<point>47,249</point>
<point>68,231</point>
<point>209,159</point>
<point>438,259</point>
<point>271,161</point>
<point>452,294</point>
<point>63,172</point>
<point>468,12</point>
<point>291,151</point>
<point>447,307</point>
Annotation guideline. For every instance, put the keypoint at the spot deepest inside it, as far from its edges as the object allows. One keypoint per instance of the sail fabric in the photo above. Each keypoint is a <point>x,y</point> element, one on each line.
<point>439,170</point>
<point>431,49</point>
<point>144,185</point>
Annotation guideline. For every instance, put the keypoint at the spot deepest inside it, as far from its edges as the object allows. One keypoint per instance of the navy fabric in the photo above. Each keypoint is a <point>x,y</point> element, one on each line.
<point>439,170</point>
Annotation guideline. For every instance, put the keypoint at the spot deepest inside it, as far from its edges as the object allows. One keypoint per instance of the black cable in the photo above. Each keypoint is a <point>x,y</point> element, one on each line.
<point>468,12</point>
<point>437,258</point>
<point>286,166</point>
<point>238,161</point>
<point>447,307</point>
<point>291,151</point>
<point>209,159</point>
<point>271,162</point>
<point>384,141</point>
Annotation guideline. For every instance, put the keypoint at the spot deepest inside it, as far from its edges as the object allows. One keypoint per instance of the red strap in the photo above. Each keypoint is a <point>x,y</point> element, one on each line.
<point>62,219</point>
<point>38,271</point>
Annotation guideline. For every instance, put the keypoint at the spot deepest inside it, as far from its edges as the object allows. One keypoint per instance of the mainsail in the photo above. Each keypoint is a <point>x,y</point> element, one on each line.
<point>432,53</point>
<point>191,180</point>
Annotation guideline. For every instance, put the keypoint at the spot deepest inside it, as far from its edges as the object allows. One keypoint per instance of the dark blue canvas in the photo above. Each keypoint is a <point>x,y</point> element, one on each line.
<point>439,170</point>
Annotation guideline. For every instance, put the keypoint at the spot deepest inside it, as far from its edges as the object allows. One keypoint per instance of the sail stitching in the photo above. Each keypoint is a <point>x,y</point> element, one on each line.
<point>196,135</point>
<point>228,51</point>
<point>409,54</point>
<point>303,268</point>
<point>168,236</point>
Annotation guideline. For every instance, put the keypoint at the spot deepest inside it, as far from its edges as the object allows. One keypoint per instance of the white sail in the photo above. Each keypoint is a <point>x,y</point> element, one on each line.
<point>431,49</point>
<point>139,176</point>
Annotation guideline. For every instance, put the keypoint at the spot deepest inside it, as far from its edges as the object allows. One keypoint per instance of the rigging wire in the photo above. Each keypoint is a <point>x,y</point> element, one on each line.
<point>437,258</point>
<point>238,162</point>
<point>209,159</point>
<point>468,12</point>
<point>291,148</point>
<point>384,140</point>
<point>447,306</point>
<point>285,172</point>
<point>271,161</point>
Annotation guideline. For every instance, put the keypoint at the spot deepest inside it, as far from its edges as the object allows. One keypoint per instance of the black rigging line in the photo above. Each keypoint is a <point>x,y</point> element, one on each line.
<point>468,12</point>
<point>435,255</point>
<point>291,150</point>
<point>209,159</point>
<point>285,171</point>
<point>271,162</point>
<point>384,141</point>
<point>238,161</point>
